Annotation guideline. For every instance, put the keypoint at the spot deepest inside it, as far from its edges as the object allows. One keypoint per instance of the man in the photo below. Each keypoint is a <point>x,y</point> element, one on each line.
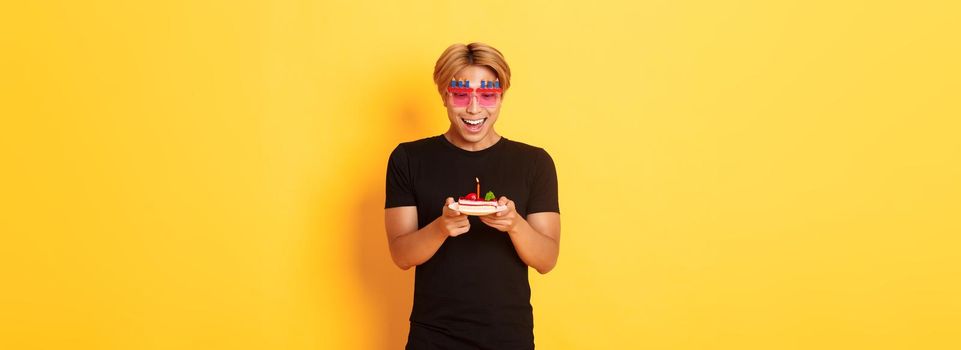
<point>471,287</point>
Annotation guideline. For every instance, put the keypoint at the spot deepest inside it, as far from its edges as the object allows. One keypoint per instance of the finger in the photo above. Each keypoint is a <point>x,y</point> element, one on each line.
<point>447,210</point>
<point>455,229</point>
<point>455,232</point>
<point>497,226</point>
<point>503,201</point>
<point>496,222</point>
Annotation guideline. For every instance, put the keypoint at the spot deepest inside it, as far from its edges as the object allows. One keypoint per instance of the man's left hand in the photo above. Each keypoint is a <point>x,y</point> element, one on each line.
<point>506,220</point>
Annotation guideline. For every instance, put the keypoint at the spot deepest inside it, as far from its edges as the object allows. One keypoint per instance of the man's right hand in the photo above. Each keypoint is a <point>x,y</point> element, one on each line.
<point>452,222</point>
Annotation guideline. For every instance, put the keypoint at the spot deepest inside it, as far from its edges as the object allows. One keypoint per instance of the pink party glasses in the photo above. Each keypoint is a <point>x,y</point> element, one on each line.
<point>487,95</point>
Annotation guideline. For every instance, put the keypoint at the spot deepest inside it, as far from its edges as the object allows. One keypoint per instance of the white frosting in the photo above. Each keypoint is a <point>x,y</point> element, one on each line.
<point>476,203</point>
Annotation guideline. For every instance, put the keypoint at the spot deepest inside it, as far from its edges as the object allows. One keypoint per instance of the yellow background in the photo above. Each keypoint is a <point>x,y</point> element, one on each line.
<point>733,174</point>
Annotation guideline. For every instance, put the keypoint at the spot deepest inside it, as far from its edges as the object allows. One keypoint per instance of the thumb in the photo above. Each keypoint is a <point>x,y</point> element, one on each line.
<point>447,210</point>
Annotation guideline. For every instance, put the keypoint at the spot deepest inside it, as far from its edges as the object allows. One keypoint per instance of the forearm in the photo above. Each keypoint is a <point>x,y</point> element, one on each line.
<point>535,249</point>
<point>417,247</point>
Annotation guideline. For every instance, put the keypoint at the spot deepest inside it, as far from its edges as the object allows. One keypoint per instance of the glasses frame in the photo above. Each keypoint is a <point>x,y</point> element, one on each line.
<point>473,92</point>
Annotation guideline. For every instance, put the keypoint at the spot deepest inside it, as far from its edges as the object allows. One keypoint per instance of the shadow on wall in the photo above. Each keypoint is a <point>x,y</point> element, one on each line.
<point>389,290</point>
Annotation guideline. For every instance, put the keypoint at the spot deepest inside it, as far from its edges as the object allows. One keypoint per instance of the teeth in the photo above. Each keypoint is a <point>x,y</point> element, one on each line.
<point>474,122</point>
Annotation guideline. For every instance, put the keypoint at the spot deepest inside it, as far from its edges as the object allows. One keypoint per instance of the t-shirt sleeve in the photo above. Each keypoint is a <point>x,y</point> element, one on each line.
<point>400,188</point>
<point>543,195</point>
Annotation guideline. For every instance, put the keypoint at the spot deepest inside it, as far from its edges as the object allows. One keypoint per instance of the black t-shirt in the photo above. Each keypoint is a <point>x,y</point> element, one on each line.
<point>473,292</point>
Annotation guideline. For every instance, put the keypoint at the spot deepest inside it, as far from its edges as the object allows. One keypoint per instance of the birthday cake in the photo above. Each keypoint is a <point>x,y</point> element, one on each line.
<point>472,204</point>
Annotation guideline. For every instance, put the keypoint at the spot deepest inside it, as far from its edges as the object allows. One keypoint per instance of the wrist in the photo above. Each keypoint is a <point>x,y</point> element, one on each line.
<point>437,229</point>
<point>518,227</point>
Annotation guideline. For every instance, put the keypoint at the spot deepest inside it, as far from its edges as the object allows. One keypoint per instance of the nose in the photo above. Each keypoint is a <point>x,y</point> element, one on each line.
<point>473,108</point>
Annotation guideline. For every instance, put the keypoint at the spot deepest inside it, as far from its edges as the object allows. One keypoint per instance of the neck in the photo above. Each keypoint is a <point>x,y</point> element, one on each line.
<point>489,140</point>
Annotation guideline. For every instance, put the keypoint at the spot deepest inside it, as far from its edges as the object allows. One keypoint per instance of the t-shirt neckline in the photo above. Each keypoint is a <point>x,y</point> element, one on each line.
<point>459,150</point>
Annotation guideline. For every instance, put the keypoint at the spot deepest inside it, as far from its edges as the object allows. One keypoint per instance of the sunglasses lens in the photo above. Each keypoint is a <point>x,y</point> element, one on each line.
<point>488,99</point>
<point>460,99</point>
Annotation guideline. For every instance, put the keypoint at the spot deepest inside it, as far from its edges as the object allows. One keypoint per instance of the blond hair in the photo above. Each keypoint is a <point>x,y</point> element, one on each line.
<point>458,56</point>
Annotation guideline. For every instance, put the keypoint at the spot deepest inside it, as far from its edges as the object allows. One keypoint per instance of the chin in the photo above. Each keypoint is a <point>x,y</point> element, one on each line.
<point>473,138</point>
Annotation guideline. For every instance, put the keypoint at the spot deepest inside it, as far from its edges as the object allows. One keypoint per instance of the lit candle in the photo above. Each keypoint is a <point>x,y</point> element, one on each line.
<point>478,188</point>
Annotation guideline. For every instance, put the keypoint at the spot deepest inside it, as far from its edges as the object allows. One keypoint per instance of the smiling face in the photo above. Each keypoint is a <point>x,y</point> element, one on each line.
<point>472,127</point>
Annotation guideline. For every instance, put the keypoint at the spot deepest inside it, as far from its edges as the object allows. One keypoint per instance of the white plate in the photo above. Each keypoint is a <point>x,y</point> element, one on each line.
<point>477,211</point>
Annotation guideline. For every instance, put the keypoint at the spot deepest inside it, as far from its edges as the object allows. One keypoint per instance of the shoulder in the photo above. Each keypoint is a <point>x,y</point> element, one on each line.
<point>416,147</point>
<point>427,141</point>
<point>527,150</point>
